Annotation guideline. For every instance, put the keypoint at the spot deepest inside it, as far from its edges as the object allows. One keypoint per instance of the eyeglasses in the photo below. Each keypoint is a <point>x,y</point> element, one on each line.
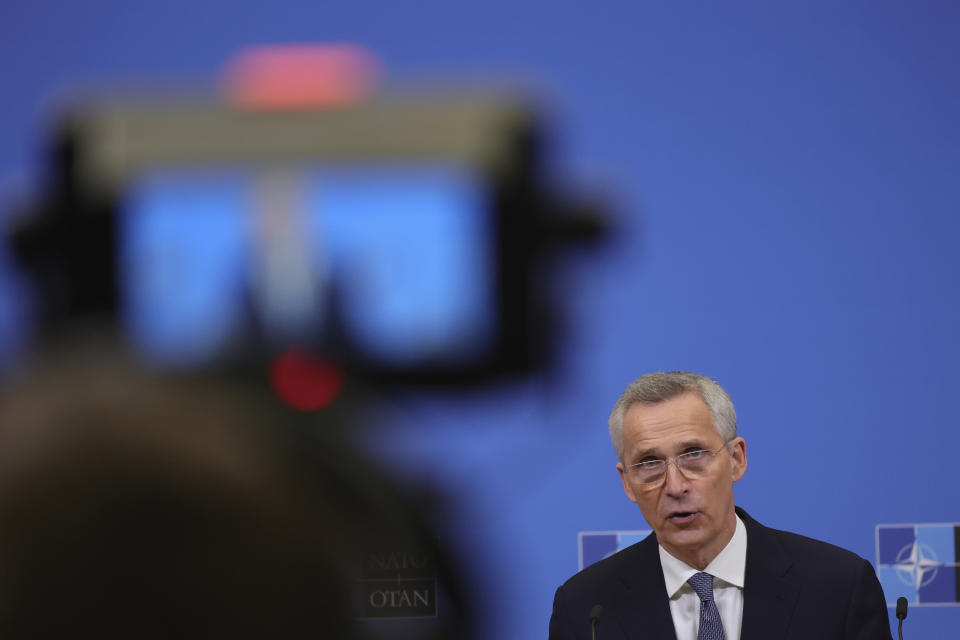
<point>692,465</point>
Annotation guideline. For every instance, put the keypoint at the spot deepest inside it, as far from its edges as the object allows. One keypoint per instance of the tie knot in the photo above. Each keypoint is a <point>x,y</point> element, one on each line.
<point>702,583</point>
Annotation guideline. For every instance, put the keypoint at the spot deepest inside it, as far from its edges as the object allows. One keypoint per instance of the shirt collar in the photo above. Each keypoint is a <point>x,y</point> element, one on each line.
<point>729,565</point>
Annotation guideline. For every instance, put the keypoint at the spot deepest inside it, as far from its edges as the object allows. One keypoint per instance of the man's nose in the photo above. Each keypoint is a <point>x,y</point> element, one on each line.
<point>674,482</point>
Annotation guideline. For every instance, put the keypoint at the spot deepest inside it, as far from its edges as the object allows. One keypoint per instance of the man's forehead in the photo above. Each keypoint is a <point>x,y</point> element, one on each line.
<point>680,420</point>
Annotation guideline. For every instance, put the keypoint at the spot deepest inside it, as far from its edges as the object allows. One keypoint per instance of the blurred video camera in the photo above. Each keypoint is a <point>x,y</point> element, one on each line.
<point>400,235</point>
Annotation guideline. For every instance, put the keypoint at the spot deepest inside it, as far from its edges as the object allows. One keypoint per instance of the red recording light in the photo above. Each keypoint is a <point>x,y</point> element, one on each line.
<point>305,382</point>
<point>300,76</point>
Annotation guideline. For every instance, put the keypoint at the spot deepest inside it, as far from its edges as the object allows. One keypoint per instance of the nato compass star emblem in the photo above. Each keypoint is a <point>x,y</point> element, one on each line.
<point>917,565</point>
<point>920,562</point>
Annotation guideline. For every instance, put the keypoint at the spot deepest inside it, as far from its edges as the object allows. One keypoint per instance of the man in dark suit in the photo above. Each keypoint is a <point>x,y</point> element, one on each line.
<point>709,571</point>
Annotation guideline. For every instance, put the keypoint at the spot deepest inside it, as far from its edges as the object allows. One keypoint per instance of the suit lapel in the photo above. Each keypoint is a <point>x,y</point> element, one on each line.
<point>642,608</point>
<point>769,593</point>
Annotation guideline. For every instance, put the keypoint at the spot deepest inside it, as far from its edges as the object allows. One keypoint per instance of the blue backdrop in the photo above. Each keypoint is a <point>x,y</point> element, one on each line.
<point>785,187</point>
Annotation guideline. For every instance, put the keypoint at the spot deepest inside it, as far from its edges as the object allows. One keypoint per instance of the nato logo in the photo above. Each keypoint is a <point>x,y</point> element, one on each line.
<point>597,545</point>
<point>919,562</point>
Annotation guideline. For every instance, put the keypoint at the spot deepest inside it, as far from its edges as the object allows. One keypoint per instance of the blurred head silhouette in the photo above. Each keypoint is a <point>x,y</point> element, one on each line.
<point>139,506</point>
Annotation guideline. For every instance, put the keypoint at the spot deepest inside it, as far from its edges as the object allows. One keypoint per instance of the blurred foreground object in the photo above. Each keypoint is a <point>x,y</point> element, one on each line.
<point>401,235</point>
<point>145,506</point>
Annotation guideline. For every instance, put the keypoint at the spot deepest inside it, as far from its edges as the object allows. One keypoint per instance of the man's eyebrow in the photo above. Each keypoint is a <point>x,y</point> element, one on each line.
<point>691,444</point>
<point>680,446</point>
<point>644,453</point>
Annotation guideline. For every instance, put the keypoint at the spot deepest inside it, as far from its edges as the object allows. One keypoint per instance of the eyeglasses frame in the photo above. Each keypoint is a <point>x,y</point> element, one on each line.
<point>673,459</point>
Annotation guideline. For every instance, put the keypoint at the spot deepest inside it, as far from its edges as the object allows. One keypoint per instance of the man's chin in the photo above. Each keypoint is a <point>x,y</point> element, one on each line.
<point>685,533</point>
<point>683,545</point>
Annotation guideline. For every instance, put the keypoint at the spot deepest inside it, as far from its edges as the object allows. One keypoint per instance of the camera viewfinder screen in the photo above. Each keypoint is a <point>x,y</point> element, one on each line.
<point>400,255</point>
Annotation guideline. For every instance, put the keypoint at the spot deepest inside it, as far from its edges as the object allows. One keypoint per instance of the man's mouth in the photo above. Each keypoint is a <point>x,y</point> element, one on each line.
<point>682,517</point>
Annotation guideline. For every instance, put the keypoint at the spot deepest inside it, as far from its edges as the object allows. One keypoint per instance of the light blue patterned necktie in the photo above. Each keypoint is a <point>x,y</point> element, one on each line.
<point>710,626</point>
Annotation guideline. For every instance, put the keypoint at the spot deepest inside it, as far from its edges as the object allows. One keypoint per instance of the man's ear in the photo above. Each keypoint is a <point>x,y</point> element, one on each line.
<point>627,488</point>
<point>738,454</point>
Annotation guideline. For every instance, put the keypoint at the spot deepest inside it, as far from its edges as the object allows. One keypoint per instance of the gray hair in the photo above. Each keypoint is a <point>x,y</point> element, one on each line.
<point>658,387</point>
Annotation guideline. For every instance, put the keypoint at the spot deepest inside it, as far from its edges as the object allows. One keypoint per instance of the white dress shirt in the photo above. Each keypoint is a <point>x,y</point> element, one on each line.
<point>727,569</point>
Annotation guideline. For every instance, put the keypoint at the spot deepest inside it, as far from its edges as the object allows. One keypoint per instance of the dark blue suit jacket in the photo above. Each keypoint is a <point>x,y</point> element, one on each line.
<point>795,588</point>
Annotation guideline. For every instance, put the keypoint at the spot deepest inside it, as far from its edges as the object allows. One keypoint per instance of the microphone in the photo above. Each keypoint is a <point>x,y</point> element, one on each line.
<point>595,619</point>
<point>901,614</point>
